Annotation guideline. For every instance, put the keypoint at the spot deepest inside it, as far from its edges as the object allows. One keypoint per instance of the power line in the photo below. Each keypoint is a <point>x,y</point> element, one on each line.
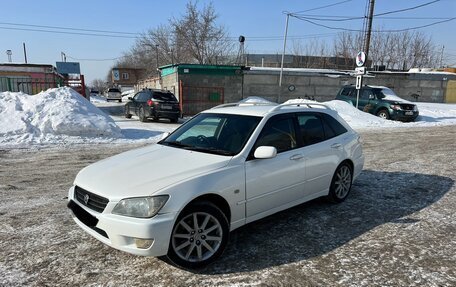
<point>67,28</point>
<point>67,33</point>
<point>407,9</point>
<point>322,7</point>
<point>377,31</point>
<point>96,60</point>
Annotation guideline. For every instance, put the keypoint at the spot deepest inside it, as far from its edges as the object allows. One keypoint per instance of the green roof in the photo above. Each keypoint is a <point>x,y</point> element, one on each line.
<point>222,70</point>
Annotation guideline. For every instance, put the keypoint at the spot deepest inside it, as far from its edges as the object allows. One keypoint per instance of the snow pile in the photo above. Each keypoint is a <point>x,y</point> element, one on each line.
<point>431,114</point>
<point>50,115</point>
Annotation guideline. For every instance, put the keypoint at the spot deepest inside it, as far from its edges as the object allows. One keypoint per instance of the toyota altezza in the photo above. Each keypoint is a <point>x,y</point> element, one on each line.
<point>222,169</point>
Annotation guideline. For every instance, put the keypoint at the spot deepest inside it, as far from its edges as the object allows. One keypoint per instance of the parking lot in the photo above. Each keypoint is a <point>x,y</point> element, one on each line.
<point>397,228</point>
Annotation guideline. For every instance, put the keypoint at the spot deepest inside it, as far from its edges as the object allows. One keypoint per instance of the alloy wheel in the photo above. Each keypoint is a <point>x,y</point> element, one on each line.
<point>343,181</point>
<point>197,237</point>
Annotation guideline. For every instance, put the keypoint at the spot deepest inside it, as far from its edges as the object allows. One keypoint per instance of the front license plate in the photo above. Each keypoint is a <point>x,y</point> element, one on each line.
<point>409,113</point>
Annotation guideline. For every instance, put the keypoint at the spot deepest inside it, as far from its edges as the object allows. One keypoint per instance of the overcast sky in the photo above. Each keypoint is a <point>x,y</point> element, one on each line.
<point>261,22</point>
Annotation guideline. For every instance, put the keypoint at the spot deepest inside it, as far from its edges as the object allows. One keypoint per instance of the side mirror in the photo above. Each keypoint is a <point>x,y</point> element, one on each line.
<point>130,98</point>
<point>371,97</point>
<point>264,152</point>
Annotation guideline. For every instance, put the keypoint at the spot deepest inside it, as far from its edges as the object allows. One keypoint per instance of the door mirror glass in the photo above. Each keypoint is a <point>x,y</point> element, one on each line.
<point>371,97</point>
<point>130,98</point>
<point>265,152</point>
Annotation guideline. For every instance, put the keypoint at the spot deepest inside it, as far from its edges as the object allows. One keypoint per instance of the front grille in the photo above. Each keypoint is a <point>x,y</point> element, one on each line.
<point>407,107</point>
<point>92,201</point>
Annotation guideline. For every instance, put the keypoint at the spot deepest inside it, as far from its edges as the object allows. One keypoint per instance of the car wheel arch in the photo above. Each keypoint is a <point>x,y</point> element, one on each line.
<point>215,199</point>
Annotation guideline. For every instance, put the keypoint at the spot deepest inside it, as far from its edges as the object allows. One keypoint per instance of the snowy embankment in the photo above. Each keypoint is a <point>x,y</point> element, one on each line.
<point>62,116</point>
<point>56,116</point>
<point>431,114</point>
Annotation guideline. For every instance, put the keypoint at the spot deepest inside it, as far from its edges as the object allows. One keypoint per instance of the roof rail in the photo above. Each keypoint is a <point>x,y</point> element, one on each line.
<point>243,104</point>
<point>308,105</point>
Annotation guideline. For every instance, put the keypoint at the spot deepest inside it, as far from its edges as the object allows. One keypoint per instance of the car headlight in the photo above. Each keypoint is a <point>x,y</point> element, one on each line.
<point>141,207</point>
<point>395,107</point>
<point>415,108</point>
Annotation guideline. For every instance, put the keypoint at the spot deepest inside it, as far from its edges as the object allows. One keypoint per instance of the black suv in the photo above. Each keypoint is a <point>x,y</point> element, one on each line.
<point>153,104</point>
<point>380,101</point>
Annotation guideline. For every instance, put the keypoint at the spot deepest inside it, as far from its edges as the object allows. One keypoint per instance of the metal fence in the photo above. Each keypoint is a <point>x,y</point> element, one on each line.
<point>196,99</point>
<point>27,85</point>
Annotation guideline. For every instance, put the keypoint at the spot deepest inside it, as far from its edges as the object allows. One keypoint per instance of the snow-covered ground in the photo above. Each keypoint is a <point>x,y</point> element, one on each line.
<point>61,116</point>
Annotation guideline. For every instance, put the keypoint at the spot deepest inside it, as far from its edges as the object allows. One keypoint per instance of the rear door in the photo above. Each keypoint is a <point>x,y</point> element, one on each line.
<point>140,99</point>
<point>322,151</point>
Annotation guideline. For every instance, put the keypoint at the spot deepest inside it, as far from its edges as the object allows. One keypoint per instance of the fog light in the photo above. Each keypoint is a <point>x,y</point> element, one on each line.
<point>143,243</point>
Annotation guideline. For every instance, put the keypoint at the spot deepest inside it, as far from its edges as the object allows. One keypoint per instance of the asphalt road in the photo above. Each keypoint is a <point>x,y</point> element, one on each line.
<point>397,228</point>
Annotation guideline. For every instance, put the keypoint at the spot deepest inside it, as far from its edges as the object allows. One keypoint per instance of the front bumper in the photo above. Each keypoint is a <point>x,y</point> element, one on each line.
<point>121,232</point>
<point>405,116</point>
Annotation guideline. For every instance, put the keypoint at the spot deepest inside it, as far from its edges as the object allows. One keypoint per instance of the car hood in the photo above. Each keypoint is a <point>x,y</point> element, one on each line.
<point>145,171</point>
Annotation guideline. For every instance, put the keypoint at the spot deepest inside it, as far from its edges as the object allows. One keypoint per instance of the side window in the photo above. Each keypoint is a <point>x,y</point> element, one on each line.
<point>136,97</point>
<point>142,97</point>
<point>365,94</point>
<point>311,127</point>
<point>278,132</point>
<point>334,125</point>
<point>345,92</point>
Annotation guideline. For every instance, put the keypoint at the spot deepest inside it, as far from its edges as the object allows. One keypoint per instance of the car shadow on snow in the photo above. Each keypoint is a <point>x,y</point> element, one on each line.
<point>317,227</point>
<point>117,110</point>
<point>421,118</point>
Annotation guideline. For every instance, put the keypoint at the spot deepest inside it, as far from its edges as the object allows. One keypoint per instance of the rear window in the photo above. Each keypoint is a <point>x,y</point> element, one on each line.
<point>114,91</point>
<point>164,96</point>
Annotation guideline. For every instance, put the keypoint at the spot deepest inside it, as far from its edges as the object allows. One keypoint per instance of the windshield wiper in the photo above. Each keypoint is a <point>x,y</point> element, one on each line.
<point>176,144</point>
<point>212,150</point>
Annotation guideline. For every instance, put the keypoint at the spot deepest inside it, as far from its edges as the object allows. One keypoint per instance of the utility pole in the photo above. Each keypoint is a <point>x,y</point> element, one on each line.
<point>369,28</point>
<point>283,56</point>
<point>25,53</point>
<point>441,56</point>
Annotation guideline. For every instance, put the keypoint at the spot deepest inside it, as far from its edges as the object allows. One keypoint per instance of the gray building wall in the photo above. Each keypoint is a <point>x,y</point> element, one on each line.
<point>324,87</point>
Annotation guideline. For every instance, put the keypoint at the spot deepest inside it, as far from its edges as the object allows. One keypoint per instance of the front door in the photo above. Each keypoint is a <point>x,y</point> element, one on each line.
<point>272,183</point>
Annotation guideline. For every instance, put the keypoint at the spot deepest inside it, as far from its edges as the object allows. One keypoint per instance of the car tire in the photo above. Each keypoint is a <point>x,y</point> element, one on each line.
<point>127,112</point>
<point>142,115</point>
<point>383,113</point>
<point>120,100</point>
<point>341,183</point>
<point>199,236</point>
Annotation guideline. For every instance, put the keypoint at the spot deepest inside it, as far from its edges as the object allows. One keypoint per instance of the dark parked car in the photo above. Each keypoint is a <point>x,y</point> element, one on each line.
<point>380,101</point>
<point>153,104</point>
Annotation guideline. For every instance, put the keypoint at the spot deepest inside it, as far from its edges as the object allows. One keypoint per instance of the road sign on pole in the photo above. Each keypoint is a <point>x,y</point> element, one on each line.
<point>359,81</point>
<point>360,59</point>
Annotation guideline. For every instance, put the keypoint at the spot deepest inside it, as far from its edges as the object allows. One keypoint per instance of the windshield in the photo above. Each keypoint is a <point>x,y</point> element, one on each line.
<point>388,94</point>
<point>214,133</point>
<point>114,91</point>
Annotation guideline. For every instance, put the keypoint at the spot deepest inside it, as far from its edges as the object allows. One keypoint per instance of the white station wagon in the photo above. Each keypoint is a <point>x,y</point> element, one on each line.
<point>223,168</point>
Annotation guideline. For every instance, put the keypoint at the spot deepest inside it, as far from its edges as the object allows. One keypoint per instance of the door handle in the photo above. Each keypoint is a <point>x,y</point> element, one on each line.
<point>296,157</point>
<point>336,145</point>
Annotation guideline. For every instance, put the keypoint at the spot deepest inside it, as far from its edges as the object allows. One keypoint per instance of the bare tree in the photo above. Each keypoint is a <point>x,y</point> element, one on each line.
<point>198,34</point>
<point>395,51</point>
<point>99,85</point>
<point>194,37</point>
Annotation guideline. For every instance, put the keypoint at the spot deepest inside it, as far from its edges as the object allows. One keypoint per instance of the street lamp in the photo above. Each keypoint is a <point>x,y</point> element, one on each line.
<point>283,56</point>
